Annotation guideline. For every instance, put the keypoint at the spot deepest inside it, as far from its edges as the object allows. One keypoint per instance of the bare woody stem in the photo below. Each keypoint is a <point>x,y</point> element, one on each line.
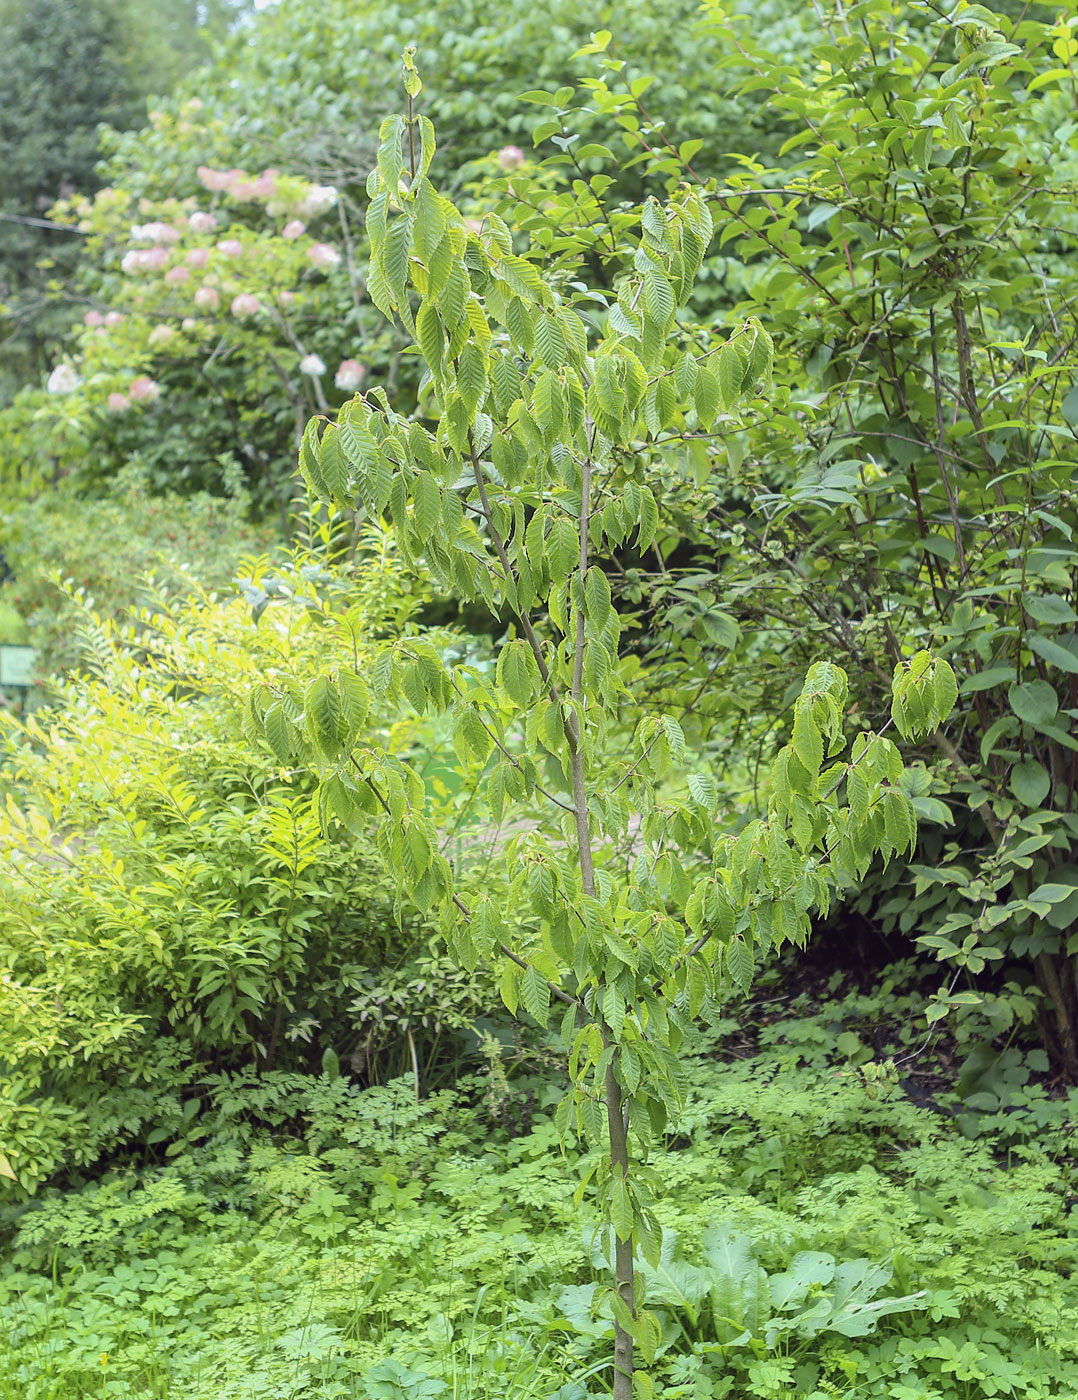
<point>555,991</point>
<point>616,1119</point>
<point>507,568</point>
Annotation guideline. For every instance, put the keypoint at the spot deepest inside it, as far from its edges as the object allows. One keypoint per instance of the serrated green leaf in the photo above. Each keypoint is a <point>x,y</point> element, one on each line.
<point>535,995</point>
<point>514,673</point>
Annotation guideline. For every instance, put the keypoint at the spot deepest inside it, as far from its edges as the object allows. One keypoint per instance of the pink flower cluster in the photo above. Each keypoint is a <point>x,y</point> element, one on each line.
<point>96,321</point>
<point>240,186</point>
<point>144,259</point>
<point>155,233</point>
<point>141,390</point>
<point>350,375</point>
<point>317,200</point>
<point>245,305</point>
<point>144,390</point>
<point>63,380</point>
<point>324,256</point>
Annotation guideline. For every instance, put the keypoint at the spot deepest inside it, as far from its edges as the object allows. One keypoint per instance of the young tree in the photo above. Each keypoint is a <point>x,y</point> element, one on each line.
<point>623,902</point>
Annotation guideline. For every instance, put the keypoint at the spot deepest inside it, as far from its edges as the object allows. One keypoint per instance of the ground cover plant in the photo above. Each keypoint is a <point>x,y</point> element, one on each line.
<point>818,1242</point>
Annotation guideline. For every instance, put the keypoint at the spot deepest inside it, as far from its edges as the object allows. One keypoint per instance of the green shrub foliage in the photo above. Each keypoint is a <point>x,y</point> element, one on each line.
<point>170,908</point>
<point>911,476</point>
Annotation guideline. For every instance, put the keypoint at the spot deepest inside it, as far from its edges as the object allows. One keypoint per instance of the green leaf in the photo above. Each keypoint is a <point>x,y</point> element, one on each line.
<point>472,375</point>
<point>731,363</point>
<point>426,504</point>
<point>985,680</point>
<point>535,994</point>
<point>807,741</point>
<point>707,397</point>
<point>522,277</point>
<point>721,629</point>
<point>702,787</point>
<point>658,300</point>
<point>1030,782</point>
<point>562,548</point>
<point>597,602</point>
<point>621,1208</point>
<point>739,962</point>
<point>1050,608</point>
<point>514,673</point>
<point>931,809</point>
<point>945,688</point>
<point>1034,701</point>
<point>1053,653</point>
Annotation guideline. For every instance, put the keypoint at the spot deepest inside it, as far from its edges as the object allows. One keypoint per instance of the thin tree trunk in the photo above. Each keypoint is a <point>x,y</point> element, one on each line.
<point>623,1249</point>
<point>617,1131</point>
<point>1063,1005</point>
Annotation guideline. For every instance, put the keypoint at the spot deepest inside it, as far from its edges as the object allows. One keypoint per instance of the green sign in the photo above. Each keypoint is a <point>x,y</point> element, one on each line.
<point>17,665</point>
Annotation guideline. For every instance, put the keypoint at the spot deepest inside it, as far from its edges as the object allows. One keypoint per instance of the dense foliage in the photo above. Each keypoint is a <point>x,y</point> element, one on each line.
<point>240,309</point>
<point>170,909</point>
<point>819,1242</point>
<point>917,481</point>
<point>715,346</point>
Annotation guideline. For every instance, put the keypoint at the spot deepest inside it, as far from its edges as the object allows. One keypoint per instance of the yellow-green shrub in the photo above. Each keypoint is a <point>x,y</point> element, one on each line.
<point>170,908</point>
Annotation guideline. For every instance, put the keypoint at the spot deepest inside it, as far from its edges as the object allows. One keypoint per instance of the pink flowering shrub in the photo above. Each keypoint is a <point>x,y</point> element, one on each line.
<point>222,304</point>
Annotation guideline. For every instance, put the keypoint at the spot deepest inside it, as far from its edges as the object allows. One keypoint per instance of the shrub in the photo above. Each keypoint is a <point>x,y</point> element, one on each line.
<point>171,910</point>
<point>99,548</point>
